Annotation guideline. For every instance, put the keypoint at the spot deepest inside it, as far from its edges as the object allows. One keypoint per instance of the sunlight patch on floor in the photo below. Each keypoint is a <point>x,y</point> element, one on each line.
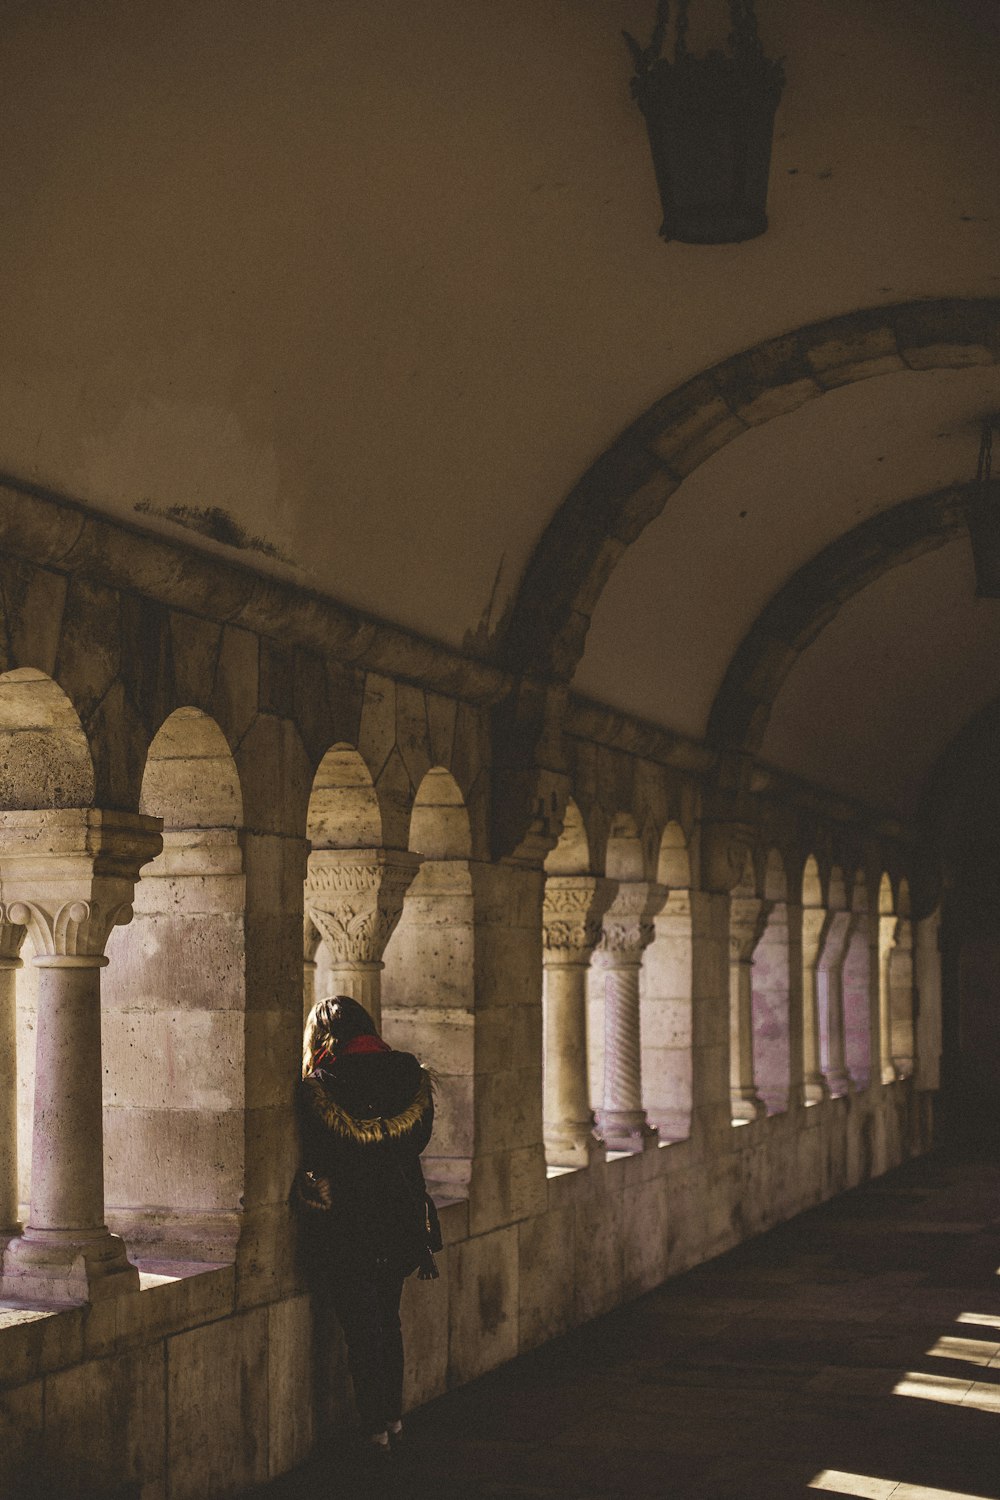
<point>952,1392</point>
<point>869,1488</point>
<point>971,1351</point>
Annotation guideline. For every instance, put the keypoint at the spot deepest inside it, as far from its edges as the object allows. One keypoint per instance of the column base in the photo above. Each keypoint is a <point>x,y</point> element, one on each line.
<point>745,1106</point>
<point>814,1091</point>
<point>839,1084</point>
<point>573,1146</point>
<point>49,1266</point>
<point>624,1130</point>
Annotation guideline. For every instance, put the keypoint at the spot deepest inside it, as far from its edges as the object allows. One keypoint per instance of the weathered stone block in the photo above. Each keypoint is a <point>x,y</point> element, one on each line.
<point>170,964</point>
<point>21,1445</point>
<point>172,1059</point>
<point>217,1429</point>
<point>646,1247</point>
<point>546,1256</point>
<point>424,1312</point>
<point>289,1383</point>
<point>482,1312</point>
<point>196,645</point>
<point>377,730</point>
<point>105,1423</point>
<point>234,690</point>
<point>182,1157</point>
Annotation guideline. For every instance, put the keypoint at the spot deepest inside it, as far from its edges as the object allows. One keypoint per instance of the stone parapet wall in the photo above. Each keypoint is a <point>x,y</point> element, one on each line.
<point>178,1391</point>
<point>301,764</point>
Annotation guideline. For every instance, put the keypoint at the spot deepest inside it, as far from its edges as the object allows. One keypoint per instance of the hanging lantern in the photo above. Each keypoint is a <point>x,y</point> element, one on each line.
<point>710,121</point>
<point>983,518</point>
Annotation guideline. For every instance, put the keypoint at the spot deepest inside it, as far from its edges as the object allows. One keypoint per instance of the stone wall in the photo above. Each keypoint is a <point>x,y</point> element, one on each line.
<point>294,756</point>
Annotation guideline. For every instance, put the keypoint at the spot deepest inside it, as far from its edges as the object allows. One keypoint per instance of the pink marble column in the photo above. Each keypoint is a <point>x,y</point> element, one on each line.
<point>747,919</point>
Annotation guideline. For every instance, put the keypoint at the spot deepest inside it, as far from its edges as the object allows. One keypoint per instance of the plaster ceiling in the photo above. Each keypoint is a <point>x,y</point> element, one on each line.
<point>380,281</point>
<point>883,690</point>
<point>683,596</point>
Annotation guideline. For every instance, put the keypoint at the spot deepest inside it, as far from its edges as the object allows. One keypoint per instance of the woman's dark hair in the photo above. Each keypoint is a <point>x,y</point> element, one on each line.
<point>331,1023</point>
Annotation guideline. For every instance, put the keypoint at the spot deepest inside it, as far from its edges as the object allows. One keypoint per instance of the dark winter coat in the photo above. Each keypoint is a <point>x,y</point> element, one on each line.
<point>364,1120</point>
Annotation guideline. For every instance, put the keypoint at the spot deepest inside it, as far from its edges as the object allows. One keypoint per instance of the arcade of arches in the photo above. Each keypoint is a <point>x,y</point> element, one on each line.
<point>563,642</point>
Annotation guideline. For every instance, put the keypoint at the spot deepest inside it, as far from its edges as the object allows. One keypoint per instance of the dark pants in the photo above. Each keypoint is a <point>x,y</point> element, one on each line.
<point>366,1302</point>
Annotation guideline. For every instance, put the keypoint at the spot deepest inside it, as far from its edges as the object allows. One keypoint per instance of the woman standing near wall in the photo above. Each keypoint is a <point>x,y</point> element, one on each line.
<point>366,1114</point>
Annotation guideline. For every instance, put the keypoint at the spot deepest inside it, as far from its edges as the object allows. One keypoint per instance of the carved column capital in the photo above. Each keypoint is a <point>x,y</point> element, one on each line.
<point>628,928</point>
<point>572,911</point>
<point>354,898</point>
<point>11,938</point>
<point>747,919</point>
<point>68,876</point>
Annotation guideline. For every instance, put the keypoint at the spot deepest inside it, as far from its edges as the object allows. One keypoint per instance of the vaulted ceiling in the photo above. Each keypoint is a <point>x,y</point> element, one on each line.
<point>363,290</point>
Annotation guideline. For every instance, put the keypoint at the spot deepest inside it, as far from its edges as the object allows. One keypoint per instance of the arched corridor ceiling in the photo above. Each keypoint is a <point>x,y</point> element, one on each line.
<point>679,602</point>
<point>379,281</point>
<point>871,705</point>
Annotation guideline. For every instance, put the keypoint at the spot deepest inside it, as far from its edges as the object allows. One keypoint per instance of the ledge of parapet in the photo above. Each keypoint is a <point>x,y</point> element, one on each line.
<point>618,730</point>
<point>68,537</point>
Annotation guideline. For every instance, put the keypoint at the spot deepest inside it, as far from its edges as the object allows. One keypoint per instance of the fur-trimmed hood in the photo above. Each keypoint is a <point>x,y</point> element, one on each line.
<point>370,1097</point>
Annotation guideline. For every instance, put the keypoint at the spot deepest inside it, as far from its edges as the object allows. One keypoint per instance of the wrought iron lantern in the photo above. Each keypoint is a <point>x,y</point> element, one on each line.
<point>710,122</point>
<point>983,516</point>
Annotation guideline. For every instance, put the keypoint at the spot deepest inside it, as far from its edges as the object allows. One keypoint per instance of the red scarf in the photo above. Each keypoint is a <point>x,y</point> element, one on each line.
<point>358,1044</point>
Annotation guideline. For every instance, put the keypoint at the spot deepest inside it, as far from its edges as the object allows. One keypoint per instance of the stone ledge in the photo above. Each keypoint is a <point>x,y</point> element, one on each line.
<point>173,1297</point>
<point>66,537</point>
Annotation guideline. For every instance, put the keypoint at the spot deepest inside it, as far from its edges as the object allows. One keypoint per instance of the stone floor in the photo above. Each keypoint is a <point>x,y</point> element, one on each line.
<point>854,1352</point>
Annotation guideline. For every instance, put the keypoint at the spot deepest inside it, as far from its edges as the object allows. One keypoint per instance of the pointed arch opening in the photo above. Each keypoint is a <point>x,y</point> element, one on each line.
<point>174,999</point>
<point>428,978</point>
<point>771,986</point>
<point>667,996</point>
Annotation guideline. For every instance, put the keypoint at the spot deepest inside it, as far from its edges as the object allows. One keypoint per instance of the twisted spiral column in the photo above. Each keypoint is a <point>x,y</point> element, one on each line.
<point>628,930</point>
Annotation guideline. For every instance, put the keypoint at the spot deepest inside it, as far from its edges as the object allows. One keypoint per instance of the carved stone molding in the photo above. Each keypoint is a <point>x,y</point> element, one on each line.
<point>571,916</point>
<point>11,938</point>
<point>68,875</point>
<point>747,920</point>
<point>628,923</point>
<point>354,898</point>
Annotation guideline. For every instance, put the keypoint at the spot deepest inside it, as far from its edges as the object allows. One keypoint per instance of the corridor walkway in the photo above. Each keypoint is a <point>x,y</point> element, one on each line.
<point>854,1352</point>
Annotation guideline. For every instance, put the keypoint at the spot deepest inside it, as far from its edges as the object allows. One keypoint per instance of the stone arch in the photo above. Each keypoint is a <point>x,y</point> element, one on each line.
<point>439,822</point>
<point>631,482</point>
<point>45,760</point>
<point>343,810</point>
<point>174,1000</point>
<point>428,979</point>
<point>570,855</point>
<point>624,854</point>
<point>771,992</point>
<point>667,996</point>
<point>810,599</point>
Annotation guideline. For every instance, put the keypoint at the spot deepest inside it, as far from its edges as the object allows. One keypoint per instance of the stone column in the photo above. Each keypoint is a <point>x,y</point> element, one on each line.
<point>836,941</point>
<point>747,919</point>
<point>884,1070</point>
<point>627,931</point>
<point>69,876</point>
<point>354,898</point>
<point>11,937</point>
<point>815,922</point>
<point>901,1028</point>
<point>571,928</point>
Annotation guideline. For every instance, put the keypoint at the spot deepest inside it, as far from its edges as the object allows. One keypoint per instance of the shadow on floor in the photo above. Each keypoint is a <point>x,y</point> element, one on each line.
<point>853,1352</point>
